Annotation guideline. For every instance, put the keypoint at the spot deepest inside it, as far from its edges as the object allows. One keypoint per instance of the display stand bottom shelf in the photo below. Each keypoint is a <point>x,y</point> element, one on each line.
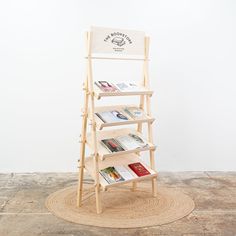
<point>123,160</point>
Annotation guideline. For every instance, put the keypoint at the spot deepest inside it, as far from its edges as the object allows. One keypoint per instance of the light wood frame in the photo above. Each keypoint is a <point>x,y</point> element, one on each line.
<point>92,163</point>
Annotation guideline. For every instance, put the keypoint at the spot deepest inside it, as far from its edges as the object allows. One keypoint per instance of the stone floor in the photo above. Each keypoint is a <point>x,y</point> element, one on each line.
<point>22,210</point>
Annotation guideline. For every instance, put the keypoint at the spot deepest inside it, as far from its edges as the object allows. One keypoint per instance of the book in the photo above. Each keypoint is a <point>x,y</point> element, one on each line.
<point>127,86</point>
<point>112,145</point>
<point>131,141</point>
<point>111,116</point>
<point>134,112</point>
<point>139,169</point>
<point>113,174</point>
<point>105,86</point>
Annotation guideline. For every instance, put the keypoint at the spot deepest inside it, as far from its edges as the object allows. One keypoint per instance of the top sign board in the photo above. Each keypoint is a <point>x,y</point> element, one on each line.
<point>117,41</point>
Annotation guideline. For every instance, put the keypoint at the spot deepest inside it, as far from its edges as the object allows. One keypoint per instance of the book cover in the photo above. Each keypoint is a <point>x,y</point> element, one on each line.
<point>111,116</point>
<point>134,112</point>
<point>106,86</point>
<point>111,175</point>
<point>139,169</point>
<point>112,145</point>
<point>131,141</point>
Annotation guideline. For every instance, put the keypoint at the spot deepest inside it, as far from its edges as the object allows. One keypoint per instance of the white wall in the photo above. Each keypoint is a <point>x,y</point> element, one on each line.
<point>192,71</point>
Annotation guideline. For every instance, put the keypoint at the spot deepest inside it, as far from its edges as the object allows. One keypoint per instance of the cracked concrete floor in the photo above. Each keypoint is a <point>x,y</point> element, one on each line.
<point>22,210</point>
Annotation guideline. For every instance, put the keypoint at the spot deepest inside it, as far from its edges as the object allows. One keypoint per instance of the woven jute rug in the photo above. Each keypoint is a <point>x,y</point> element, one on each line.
<point>122,208</point>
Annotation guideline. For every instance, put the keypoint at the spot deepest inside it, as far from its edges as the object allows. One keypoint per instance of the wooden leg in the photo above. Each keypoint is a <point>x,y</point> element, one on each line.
<point>134,186</point>
<point>154,187</point>
<point>98,199</point>
<point>81,166</point>
<point>154,180</point>
<point>97,184</point>
<point>82,148</point>
<point>80,184</point>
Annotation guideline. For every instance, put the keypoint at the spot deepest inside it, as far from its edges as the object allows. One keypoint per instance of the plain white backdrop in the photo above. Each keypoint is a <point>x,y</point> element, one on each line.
<point>192,71</point>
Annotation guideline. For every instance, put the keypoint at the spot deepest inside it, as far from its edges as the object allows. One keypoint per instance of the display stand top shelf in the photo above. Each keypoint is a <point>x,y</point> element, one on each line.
<point>142,91</point>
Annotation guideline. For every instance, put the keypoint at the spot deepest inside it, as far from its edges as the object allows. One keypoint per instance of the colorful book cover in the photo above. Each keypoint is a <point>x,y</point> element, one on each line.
<point>139,169</point>
<point>111,175</point>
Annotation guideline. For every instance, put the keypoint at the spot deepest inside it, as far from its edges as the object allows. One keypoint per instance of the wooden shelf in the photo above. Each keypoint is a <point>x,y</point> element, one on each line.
<point>105,134</point>
<point>100,124</point>
<point>143,91</point>
<point>104,158</point>
<point>117,161</point>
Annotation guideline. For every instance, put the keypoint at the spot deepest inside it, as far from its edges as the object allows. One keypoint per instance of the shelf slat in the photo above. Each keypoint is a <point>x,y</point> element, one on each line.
<point>117,161</point>
<point>106,134</point>
<point>100,124</point>
<point>143,91</point>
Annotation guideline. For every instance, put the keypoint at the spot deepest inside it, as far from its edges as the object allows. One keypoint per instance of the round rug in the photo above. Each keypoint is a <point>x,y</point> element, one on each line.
<point>121,207</point>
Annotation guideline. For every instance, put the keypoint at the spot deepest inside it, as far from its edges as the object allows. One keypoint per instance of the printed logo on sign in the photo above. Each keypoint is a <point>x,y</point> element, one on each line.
<point>119,40</point>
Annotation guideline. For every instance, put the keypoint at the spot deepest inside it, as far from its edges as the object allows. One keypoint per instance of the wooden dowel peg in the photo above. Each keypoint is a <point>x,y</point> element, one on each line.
<point>81,167</point>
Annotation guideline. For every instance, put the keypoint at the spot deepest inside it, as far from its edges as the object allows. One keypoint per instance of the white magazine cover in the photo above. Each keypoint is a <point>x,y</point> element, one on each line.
<point>131,141</point>
<point>135,112</point>
<point>124,172</point>
<point>128,86</point>
<point>112,116</point>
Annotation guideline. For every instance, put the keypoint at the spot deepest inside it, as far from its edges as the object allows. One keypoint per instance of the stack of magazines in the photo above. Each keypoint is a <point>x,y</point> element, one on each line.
<point>125,142</point>
<point>113,174</point>
<point>106,86</point>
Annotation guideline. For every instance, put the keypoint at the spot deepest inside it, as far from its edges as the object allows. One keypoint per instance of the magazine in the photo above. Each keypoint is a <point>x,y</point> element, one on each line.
<point>111,175</point>
<point>124,172</point>
<point>112,145</point>
<point>127,86</point>
<point>111,116</point>
<point>131,141</point>
<point>115,174</point>
<point>105,86</point>
<point>134,112</point>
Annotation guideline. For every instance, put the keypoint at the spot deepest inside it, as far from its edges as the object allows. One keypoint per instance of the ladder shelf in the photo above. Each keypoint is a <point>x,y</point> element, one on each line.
<point>120,155</point>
